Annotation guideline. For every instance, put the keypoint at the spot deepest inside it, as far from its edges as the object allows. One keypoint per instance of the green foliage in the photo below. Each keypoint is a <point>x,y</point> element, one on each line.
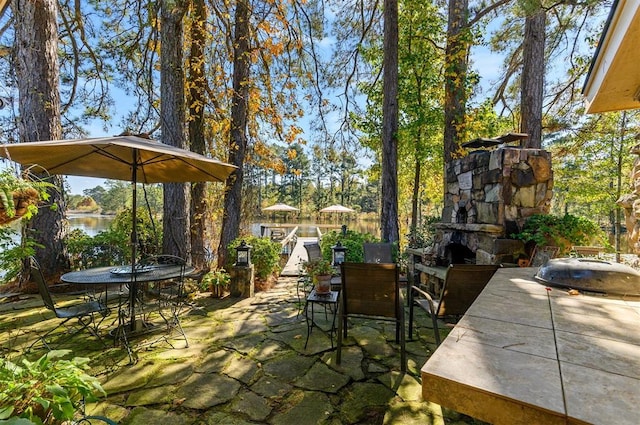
<point>353,241</point>
<point>422,236</point>
<point>318,267</point>
<point>49,390</point>
<point>113,246</point>
<point>14,188</point>
<point>563,232</point>
<point>82,203</point>
<point>104,249</point>
<point>265,254</point>
<point>149,238</point>
<point>592,164</point>
<point>13,254</point>
<point>215,278</point>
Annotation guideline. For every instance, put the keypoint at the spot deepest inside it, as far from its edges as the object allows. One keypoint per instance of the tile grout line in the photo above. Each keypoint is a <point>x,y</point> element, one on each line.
<point>555,343</point>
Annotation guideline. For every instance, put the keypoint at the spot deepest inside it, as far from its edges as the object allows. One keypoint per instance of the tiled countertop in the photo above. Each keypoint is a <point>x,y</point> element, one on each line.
<point>526,354</point>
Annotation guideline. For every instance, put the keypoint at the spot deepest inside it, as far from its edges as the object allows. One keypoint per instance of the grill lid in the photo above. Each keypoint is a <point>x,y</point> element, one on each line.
<point>590,275</point>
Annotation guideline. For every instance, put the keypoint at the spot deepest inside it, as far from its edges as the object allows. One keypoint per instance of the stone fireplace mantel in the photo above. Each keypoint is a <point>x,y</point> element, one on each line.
<point>471,227</point>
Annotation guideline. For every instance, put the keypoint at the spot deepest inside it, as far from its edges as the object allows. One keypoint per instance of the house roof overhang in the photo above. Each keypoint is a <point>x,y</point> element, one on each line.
<point>613,81</point>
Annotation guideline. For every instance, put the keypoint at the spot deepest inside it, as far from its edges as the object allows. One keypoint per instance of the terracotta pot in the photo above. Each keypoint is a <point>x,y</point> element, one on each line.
<point>322,284</point>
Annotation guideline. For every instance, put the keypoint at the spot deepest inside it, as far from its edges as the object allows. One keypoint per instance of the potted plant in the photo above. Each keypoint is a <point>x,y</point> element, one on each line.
<point>216,281</point>
<point>320,271</point>
<point>19,195</point>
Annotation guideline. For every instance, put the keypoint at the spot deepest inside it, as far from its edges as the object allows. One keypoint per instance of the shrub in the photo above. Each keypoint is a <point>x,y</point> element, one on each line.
<point>216,281</point>
<point>113,246</point>
<point>563,232</point>
<point>422,235</point>
<point>352,241</point>
<point>13,254</point>
<point>265,255</point>
<point>49,390</point>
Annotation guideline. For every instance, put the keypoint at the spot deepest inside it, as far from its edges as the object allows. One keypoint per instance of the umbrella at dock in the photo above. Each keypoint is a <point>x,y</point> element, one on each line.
<point>336,208</point>
<point>280,207</point>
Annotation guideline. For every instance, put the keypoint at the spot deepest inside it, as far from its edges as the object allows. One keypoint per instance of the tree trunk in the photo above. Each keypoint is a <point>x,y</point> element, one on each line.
<point>175,222</point>
<point>532,90</point>
<point>456,63</point>
<point>389,214</point>
<point>238,135</point>
<point>196,132</point>
<point>415,197</point>
<point>37,74</point>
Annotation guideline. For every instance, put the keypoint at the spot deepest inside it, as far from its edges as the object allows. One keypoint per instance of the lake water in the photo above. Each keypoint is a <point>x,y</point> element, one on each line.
<point>92,224</point>
<point>307,228</point>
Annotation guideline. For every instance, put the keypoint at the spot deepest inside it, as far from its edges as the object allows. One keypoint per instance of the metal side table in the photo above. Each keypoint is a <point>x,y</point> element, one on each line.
<point>330,300</point>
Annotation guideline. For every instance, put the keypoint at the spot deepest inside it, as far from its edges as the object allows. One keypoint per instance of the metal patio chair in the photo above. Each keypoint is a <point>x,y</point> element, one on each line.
<point>378,252</point>
<point>167,298</point>
<point>87,315</point>
<point>371,290</point>
<point>462,285</point>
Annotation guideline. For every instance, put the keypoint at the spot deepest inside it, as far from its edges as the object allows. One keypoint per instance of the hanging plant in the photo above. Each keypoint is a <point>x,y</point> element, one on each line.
<point>20,195</point>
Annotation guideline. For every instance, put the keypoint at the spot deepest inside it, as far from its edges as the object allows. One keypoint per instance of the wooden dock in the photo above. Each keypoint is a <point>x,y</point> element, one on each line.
<point>297,255</point>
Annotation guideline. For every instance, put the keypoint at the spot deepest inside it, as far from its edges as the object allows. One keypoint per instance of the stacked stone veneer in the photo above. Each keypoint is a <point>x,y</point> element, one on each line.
<point>489,196</point>
<point>630,203</point>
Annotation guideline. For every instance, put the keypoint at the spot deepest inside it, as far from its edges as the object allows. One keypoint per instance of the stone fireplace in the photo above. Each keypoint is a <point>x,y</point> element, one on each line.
<point>489,195</point>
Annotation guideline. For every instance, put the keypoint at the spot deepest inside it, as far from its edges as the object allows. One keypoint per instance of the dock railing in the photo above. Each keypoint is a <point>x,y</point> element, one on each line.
<point>289,241</point>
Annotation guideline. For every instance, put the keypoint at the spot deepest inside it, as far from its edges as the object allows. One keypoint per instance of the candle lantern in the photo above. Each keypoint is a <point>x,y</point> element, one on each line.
<point>339,253</point>
<point>243,254</point>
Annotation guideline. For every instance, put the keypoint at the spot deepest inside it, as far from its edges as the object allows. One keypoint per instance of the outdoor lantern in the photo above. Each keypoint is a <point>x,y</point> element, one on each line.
<point>243,254</point>
<point>339,253</point>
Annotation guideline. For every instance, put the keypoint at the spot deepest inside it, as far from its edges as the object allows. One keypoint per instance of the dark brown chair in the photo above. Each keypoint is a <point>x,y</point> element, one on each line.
<point>462,285</point>
<point>371,290</point>
<point>378,252</point>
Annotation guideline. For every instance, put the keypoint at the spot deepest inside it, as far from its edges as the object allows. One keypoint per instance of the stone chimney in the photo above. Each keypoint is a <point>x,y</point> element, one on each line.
<point>490,194</point>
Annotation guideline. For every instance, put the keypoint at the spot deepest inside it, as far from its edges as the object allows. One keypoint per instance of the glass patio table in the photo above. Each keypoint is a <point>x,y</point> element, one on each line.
<point>119,275</point>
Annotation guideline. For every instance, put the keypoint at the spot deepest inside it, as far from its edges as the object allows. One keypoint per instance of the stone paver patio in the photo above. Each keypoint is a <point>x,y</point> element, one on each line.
<point>246,364</point>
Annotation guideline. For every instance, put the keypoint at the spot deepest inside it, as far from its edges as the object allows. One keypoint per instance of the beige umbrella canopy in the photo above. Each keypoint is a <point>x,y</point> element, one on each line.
<point>130,158</point>
<point>280,207</point>
<point>336,208</point>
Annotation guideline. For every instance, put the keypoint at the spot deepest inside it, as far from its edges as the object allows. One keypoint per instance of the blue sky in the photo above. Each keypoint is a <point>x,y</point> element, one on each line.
<point>487,63</point>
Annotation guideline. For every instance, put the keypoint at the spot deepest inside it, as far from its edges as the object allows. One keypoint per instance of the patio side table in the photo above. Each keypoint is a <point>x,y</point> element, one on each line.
<point>330,300</point>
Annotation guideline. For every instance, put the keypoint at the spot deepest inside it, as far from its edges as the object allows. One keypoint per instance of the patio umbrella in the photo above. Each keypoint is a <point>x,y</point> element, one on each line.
<point>280,207</point>
<point>336,208</point>
<point>132,158</point>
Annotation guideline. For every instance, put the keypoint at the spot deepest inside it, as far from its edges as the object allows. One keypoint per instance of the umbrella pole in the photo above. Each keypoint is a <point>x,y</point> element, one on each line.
<point>133,292</point>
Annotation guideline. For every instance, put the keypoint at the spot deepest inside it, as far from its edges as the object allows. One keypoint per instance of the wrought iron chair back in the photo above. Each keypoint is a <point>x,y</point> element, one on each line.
<point>85,313</point>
